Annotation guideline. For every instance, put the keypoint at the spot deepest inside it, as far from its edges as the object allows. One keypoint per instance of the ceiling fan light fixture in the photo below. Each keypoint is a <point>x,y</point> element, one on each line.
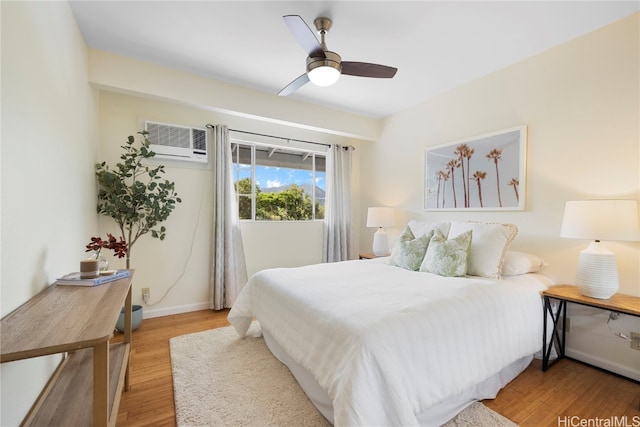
<point>324,71</point>
<point>325,75</point>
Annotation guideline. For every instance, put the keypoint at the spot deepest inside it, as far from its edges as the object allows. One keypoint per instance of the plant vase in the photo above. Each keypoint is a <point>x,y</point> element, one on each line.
<point>136,318</point>
<point>103,263</point>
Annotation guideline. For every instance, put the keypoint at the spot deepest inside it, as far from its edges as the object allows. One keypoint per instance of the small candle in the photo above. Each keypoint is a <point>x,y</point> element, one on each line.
<point>89,269</point>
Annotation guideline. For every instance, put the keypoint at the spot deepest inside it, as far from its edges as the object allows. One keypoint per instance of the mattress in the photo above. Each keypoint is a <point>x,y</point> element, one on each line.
<point>387,344</point>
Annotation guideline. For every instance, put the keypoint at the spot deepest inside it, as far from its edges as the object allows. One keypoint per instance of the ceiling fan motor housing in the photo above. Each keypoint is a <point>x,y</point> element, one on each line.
<point>331,59</point>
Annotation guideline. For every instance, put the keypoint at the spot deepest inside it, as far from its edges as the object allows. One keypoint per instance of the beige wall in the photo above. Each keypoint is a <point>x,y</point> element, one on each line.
<point>176,270</point>
<point>48,188</point>
<point>126,74</point>
<point>580,102</point>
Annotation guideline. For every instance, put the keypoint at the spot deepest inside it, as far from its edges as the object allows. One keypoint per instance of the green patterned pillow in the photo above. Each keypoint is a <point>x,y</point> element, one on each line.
<point>409,251</point>
<point>447,257</point>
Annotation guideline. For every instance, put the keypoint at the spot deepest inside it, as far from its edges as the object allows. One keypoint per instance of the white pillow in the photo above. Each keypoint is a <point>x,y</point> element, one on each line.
<point>521,263</point>
<point>420,228</point>
<point>488,246</point>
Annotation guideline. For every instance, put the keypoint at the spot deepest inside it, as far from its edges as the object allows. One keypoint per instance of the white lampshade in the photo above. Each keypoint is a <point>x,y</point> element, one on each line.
<point>597,274</point>
<point>601,220</point>
<point>380,217</point>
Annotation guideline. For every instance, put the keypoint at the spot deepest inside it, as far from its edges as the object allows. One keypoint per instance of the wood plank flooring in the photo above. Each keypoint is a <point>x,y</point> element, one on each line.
<point>149,401</point>
<point>534,399</point>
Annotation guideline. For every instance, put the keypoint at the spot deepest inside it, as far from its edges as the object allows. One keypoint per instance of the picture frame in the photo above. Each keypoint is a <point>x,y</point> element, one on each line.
<point>485,172</point>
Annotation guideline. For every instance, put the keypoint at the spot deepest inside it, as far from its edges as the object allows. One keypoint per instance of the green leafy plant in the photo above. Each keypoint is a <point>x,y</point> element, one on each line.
<point>134,194</point>
<point>292,204</point>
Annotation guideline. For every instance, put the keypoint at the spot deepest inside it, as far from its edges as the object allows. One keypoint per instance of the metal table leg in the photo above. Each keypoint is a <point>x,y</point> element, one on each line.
<point>558,339</point>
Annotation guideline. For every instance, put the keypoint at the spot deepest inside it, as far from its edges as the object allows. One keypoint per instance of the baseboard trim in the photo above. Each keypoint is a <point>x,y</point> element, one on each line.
<point>159,312</point>
<point>607,365</point>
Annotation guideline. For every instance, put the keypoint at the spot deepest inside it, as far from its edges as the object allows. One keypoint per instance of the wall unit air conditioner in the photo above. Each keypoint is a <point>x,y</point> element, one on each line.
<point>178,142</point>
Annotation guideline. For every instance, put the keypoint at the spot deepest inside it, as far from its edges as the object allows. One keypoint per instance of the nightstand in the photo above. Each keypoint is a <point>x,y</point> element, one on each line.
<point>368,255</point>
<point>618,303</point>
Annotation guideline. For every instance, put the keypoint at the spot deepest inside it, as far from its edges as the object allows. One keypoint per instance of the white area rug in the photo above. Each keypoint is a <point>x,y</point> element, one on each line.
<point>220,379</point>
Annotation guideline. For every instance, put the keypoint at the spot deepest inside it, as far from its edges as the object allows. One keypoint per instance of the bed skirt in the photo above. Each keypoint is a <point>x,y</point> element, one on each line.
<point>435,416</point>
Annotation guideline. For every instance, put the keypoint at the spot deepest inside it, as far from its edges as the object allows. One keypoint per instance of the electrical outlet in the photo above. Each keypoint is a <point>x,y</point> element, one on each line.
<point>146,295</point>
<point>635,340</point>
<point>567,326</point>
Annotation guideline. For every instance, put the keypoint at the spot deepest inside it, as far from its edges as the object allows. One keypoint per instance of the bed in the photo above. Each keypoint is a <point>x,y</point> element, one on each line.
<point>375,343</point>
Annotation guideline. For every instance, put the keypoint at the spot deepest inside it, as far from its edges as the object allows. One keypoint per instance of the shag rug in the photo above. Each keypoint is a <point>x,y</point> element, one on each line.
<point>220,379</point>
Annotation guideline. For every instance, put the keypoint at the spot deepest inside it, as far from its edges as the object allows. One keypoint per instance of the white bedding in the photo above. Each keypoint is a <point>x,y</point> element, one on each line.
<point>387,343</point>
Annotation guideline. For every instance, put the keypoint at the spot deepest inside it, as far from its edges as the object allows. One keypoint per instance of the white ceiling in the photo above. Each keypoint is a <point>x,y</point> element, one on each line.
<point>435,45</point>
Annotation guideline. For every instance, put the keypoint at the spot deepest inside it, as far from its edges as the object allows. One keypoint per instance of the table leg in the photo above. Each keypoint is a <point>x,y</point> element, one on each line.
<point>558,338</point>
<point>127,335</point>
<point>101,384</point>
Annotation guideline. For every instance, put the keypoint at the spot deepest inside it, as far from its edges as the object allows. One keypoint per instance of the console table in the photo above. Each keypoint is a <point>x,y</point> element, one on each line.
<point>77,322</point>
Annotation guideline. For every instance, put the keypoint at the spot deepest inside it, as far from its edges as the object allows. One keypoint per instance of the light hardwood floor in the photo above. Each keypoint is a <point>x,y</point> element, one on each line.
<point>534,399</point>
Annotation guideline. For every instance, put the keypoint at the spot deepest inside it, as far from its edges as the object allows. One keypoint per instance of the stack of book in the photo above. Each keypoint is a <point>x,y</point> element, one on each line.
<point>73,279</point>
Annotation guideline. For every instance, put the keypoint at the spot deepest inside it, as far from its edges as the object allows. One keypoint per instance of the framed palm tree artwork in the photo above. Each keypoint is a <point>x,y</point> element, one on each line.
<point>485,172</point>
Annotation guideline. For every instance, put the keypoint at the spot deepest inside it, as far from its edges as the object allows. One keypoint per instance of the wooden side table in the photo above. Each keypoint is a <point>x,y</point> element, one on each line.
<point>368,255</point>
<point>618,303</point>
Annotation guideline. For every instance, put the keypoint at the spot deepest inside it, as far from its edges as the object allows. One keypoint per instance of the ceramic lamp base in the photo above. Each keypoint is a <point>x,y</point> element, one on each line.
<point>380,243</point>
<point>597,275</point>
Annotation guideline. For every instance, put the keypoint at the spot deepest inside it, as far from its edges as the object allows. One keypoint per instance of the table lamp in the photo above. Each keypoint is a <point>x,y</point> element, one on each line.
<point>380,217</point>
<point>597,273</point>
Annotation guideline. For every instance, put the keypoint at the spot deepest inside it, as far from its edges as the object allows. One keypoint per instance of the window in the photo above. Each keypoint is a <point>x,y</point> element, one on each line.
<point>275,183</point>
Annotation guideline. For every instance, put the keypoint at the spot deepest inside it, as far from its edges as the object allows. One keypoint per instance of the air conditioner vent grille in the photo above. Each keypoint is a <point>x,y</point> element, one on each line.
<point>169,136</point>
<point>199,140</point>
<point>177,142</point>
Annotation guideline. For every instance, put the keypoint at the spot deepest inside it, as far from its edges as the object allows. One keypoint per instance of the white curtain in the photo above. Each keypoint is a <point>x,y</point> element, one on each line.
<point>338,242</point>
<point>228,268</point>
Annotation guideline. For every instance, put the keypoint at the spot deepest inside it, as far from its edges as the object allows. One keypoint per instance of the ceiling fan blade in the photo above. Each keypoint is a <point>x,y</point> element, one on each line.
<point>294,85</point>
<point>304,35</point>
<point>364,69</point>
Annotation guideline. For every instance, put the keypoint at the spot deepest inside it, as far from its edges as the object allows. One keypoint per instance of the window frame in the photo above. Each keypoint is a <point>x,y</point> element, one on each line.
<point>252,145</point>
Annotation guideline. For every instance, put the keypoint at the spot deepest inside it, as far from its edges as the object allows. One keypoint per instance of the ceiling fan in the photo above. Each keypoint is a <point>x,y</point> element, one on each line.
<point>323,66</point>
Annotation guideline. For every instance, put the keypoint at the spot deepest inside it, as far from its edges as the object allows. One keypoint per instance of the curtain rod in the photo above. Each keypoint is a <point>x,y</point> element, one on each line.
<point>280,137</point>
<point>210,126</point>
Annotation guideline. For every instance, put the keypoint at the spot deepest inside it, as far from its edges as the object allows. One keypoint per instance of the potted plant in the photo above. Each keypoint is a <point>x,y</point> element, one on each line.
<point>138,198</point>
<point>135,195</point>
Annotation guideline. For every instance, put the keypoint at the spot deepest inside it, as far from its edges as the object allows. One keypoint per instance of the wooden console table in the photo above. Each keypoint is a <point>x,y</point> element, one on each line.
<point>77,322</point>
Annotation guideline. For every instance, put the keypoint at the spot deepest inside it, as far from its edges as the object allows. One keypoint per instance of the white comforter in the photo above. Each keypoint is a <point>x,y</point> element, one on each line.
<point>387,343</point>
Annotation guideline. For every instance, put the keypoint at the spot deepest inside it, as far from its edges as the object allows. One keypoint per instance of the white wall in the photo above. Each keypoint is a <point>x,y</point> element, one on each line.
<point>48,151</point>
<point>281,244</point>
<point>580,102</point>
